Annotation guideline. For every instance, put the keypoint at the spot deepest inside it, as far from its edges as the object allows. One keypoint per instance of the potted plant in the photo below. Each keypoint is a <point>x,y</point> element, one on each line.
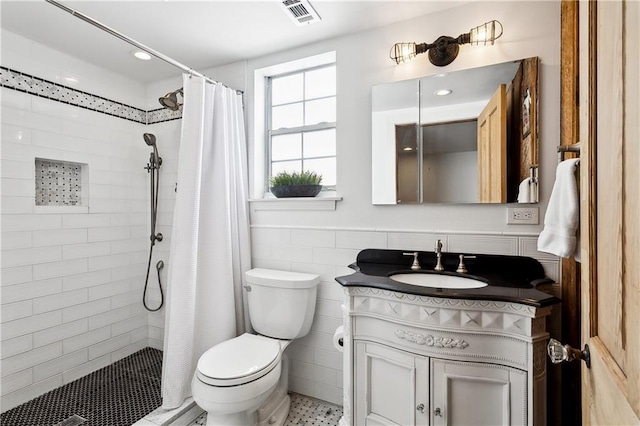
<point>296,184</point>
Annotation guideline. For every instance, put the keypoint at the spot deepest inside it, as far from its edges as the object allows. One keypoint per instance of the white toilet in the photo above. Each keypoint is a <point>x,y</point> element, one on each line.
<point>243,381</point>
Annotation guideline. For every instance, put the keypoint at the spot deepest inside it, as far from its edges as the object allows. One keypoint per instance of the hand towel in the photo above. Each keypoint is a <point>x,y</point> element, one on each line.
<point>561,219</point>
<point>524,191</point>
<point>533,191</point>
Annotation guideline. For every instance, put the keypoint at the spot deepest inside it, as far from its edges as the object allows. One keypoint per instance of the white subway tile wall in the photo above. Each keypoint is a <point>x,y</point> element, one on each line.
<point>315,365</point>
<point>71,281</point>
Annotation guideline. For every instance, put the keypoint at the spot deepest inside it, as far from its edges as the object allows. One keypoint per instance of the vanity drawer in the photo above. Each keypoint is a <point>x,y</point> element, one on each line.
<point>444,343</point>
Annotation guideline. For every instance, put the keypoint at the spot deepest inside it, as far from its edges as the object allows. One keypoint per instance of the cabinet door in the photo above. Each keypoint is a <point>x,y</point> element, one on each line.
<point>390,387</point>
<point>470,393</point>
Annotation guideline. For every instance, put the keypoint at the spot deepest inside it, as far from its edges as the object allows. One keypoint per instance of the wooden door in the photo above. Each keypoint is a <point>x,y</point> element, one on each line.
<point>610,210</point>
<point>492,149</point>
<point>390,386</point>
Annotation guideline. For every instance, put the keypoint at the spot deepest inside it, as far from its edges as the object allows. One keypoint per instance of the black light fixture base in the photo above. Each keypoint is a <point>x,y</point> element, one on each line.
<point>443,51</point>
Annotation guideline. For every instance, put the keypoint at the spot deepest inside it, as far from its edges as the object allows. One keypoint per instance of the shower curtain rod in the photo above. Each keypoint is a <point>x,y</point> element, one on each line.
<point>132,42</point>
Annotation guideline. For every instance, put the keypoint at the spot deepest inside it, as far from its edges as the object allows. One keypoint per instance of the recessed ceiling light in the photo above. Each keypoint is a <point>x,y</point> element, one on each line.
<point>442,92</point>
<point>144,56</point>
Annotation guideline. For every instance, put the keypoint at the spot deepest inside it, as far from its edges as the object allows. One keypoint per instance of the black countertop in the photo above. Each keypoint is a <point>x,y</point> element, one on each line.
<point>509,278</point>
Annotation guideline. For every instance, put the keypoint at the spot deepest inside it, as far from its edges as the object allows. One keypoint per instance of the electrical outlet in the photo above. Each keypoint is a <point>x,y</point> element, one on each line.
<point>522,215</point>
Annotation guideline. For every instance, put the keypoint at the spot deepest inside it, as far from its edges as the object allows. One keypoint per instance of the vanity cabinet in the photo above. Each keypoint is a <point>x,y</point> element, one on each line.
<point>480,394</point>
<point>389,385</point>
<point>422,360</point>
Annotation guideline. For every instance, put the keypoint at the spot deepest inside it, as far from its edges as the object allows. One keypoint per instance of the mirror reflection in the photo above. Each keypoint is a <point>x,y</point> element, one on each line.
<point>464,137</point>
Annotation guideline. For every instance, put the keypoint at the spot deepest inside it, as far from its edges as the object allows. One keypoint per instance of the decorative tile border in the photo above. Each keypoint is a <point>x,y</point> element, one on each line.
<point>162,114</point>
<point>16,80</point>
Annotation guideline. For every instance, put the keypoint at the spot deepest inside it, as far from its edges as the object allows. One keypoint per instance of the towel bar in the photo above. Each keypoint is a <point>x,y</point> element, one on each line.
<point>562,149</point>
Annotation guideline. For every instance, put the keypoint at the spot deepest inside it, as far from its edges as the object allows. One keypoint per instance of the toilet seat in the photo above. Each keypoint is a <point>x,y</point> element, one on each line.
<point>238,361</point>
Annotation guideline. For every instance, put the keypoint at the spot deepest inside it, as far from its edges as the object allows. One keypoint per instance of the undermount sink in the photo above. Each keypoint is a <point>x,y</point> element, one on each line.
<point>438,281</point>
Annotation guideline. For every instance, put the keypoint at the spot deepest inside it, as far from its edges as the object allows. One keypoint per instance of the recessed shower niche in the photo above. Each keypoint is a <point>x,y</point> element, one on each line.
<point>61,183</point>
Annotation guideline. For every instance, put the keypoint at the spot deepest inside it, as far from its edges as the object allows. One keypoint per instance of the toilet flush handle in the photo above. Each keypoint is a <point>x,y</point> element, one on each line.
<point>248,288</point>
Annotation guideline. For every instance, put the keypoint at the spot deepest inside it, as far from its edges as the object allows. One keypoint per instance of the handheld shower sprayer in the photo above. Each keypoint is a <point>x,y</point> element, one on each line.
<point>153,168</point>
<point>155,161</point>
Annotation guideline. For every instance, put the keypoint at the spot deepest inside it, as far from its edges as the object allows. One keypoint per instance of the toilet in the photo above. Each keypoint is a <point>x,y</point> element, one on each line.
<point>243,381</point>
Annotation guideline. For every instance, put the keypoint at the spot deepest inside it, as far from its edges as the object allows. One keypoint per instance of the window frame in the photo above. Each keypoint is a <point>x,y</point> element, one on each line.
<point>269,133</point>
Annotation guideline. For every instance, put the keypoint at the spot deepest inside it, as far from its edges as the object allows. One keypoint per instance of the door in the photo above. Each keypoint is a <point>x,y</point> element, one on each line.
<point>477,394</point>
<point>390,386</point>
<point>492,149</point>
<point>610,210</point>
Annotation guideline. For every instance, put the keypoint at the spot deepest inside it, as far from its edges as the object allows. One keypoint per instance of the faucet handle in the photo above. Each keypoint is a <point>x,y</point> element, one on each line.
<point>416,265</point>
<point>438,246</point>
<point>462,269</point>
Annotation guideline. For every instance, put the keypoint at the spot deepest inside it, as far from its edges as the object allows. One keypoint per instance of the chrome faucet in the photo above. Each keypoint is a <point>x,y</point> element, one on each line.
<point>439,266</point>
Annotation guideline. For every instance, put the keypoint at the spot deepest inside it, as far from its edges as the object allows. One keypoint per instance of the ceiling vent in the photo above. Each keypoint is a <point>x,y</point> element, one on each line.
<point>301,12</point>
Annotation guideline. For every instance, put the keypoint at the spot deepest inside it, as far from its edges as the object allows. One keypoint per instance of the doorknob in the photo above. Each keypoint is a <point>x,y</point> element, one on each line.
<point>558,353</point>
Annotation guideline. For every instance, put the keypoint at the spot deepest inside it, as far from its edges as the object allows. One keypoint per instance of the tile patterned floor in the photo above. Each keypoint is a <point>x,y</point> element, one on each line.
<point>304,411</point>
<point>116,395</point>
<point>127,390</point>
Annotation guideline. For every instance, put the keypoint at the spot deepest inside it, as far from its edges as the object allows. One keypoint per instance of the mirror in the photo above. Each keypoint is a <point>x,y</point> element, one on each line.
<point>477,144</point>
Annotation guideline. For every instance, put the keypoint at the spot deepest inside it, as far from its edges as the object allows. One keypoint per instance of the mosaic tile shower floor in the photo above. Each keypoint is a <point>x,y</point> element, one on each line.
<point>126,391</point>
<point>116,395</point>
<point>304,411</point>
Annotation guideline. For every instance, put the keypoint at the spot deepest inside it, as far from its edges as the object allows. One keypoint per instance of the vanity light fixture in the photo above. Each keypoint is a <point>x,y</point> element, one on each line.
<point>445,49</point>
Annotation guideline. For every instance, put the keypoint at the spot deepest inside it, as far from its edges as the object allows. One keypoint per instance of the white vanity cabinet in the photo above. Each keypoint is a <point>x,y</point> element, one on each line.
<point>420,360</point>
<point>480,394</point>
<point>389,384</point>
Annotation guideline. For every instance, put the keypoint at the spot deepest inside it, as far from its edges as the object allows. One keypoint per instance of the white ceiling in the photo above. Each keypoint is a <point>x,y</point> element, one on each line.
<point>199,34</point>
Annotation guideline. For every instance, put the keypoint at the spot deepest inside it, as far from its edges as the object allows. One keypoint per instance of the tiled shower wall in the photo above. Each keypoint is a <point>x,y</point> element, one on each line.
<point>71,276</point>
<point>316,366</point>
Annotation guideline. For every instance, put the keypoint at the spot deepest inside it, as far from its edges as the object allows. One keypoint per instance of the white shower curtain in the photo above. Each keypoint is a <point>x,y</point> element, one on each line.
<point>210,249</point>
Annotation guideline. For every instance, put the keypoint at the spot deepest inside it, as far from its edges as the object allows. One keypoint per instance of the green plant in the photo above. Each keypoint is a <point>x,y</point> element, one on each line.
<point>296,178</point>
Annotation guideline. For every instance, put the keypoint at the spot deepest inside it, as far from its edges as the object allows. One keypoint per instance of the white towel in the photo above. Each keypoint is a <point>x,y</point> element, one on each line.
<point>524,191</point>
<point>561,220</point>
<point>533,191</point>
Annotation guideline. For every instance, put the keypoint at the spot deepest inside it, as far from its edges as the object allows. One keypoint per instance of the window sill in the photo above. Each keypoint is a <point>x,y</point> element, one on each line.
<point>300,203</point>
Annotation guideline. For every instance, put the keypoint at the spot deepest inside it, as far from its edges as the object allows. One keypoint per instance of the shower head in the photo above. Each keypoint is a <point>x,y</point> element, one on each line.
<point>170,100</point>
<point>150,139</point>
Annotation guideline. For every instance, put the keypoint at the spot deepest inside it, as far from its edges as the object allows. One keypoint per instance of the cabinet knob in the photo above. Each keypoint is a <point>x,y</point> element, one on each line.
<point>420,408</point>
<point>437,412</point>
<point>559,352</point>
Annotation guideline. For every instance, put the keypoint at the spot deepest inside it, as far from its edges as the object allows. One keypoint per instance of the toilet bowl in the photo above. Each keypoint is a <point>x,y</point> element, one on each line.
<point>243,381</point>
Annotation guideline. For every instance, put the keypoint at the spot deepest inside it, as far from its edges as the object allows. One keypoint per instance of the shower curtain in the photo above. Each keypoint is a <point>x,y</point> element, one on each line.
<point>210,248</point>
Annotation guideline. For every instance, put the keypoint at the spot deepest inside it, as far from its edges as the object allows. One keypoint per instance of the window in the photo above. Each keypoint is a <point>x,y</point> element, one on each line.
<point>301,122</point>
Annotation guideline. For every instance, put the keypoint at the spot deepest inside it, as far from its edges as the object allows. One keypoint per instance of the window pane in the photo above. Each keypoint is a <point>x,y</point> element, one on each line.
<point>324,166</point>
<point>320,144</point>
<point>286,116</point>
<point>320,83</point>
<point>322,110</point>
<point>286,166</point>
<point>286,147</point>
<point>286,89</point>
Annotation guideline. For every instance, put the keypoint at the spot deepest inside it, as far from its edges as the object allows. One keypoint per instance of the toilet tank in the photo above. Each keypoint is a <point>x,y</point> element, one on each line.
<point>281,303</point>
